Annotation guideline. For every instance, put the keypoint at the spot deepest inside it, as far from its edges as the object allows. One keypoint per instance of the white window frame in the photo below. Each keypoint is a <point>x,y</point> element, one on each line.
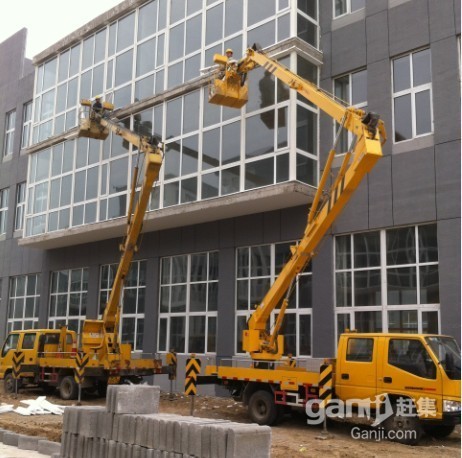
<point>10,125</point>
<point>412,91</point>
<point>26,124</point>
<point>213,314</point>
<point>348,9</point>
<point>362,105</point>
<point>20,206</point>
<point>138,317</point>
<point>297,311</point>
<point>4,195</point>
<point>384,308</point>
<point>55,321</point>
<point>23,322</point>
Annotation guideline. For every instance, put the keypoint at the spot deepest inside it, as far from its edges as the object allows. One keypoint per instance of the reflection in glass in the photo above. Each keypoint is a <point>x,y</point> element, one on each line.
<point>402,286</point>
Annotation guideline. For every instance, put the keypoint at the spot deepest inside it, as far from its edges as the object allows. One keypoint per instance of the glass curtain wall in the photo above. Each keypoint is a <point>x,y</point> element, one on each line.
<point>210,151</point>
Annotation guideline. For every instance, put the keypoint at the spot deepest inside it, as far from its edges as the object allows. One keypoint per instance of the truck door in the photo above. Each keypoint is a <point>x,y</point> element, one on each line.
<point>9,347</point>
<point>356,370</point>
<point>28,346</point>
<point>408,369</point>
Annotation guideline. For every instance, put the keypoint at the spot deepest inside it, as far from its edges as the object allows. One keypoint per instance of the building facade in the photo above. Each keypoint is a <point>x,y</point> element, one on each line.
<point>236,184</point>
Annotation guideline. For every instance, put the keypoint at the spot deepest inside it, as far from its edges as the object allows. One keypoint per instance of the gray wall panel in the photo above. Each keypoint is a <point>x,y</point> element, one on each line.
<point>226,294</point>
<point>446,90</point>
<point>349,48</point>
<point>457,15</point>
<point>379,97</point>
<point>448,180</point>
<point>323,302</point>
<point>293,222</point>
<point>442,23</point>
<point>414,187</point>
<point>249,231</point>
<point>376,6</point>
<point>326,47</point>
<point>380,195</point>
<point>409,27</point>
<point>151,306</point>
<point>354,216</point>
<point>449,271</point>
<point>377,38</point>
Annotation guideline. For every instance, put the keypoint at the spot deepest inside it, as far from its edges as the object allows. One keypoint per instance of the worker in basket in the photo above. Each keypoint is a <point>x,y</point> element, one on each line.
<point>97,107</point>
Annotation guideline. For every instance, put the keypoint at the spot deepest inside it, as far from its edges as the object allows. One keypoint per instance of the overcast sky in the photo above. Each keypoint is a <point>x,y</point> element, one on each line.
<point>47,21</point>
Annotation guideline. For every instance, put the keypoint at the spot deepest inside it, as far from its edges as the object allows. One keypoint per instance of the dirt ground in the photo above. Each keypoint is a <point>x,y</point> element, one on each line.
<point>292,438</point>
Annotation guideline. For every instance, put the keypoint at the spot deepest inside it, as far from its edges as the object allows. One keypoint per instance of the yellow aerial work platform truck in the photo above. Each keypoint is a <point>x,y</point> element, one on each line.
<point>53,358</point>
<point>384,371</point>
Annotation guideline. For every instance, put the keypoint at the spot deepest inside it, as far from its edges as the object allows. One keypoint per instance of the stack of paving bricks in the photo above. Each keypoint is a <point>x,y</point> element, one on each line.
<point>130,426</point>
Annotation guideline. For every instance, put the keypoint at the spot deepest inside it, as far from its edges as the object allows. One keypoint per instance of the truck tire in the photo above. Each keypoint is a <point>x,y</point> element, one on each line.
<point>68,388</point>
<point>403,429</point>
<point>439,431</point>
<point>262,409</point>
<point>48,389</point>
<point>9,383</point>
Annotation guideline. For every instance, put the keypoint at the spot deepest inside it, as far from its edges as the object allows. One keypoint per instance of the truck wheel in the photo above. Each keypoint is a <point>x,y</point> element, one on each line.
<point>439,431</point>
<point>68,388</point>
<point>9,383</point>
<point>48,389</point>
<point>262,409</point>
<point>404,429</point>
<point>101,388</point>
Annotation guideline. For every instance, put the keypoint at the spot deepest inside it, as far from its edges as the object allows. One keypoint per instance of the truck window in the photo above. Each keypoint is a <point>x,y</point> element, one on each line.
<point>28,341</point>
<point>11,342</point>
<point>360,350</point>
<point>448,354</point>
<point>411,356</point>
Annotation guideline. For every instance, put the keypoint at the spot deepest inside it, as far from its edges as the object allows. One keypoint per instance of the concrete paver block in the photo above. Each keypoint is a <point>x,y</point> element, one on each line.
<point>252,437</point>
<point>47,447</point>
<point>10,438</point>
<point>28,442</point>
<point>133,399</point>
<point>89,421</point>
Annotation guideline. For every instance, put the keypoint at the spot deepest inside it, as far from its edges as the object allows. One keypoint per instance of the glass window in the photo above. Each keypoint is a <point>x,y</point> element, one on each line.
<point>352,89</point>
<point>411,356</point>
<point>26,124</point>
<point>389,277</point>
<point>145,58</point>
<point>125,30</point>
<point>189,289</point>
<point>8,142</point>
<point>20,206</point>
<point>133,300</point>
<point>256,269</point>
<point>23,300</point>
<point>214,24</point>
<point>233,17</point>
<point>412,87</point>
<point>360,350</point>
<point>342,7</point>
<point>3,209</point>
<point>147,20</point>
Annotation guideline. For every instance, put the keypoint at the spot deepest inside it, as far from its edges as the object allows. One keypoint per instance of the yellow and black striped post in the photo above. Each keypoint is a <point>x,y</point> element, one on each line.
<point>292,361</point>
<point>18,359</point>
<point>171,360</point>
<point>325,391</point>
<point>193,368</point>
<point>81,360</point>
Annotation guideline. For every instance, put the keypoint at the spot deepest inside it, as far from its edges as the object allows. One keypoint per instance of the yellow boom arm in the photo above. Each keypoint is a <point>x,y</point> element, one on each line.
<point>103,334</point>
<point>369,134</point>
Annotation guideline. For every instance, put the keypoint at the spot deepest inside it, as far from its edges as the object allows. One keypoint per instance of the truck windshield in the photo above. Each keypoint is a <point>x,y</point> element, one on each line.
<point>448,353</point>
